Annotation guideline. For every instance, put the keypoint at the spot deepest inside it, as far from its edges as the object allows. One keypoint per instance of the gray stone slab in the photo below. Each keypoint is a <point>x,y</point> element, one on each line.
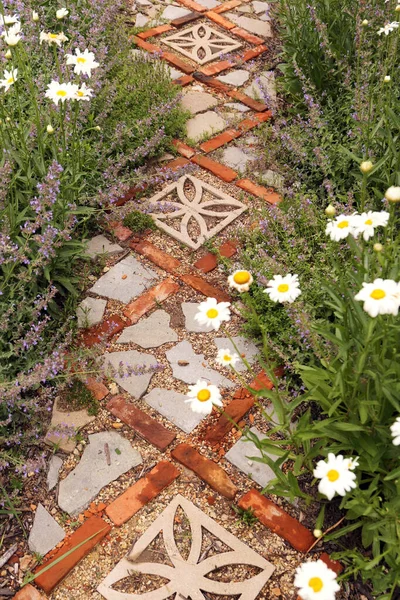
<point>203,125</point>
<point>190,309</point>
<point>143,3</point>
<point>101,245</point>
<point>141,20</point>
<point>174,12</point>
<point>236,78</point>
<point>93,472</point>
<point>189,366</point>
<point>263,88</point>
<point>262,28</point>
<point>90,311</point>
<point>210,4</point>
<point>260,7</point>
<point>239,455</point>
<point>136,385</point>
<point>196,102</point>
<point>151,332</point>
<point>237,106</point>
<point>173,73</point>
<point>55,465</point>
<point>244,8</point>
<point>172,406</point>
<point>46,533</point>
<point>137,279</point>
<point>236,158</point>
<point>64,426</point>
<point>273,179</point>
<point>245,347</point>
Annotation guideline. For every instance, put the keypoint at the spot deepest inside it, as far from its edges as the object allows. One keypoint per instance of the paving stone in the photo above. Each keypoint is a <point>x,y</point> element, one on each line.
<point>188,366</point>
<point>255,26</point>
<point>172,405</point>
<point>173,73</point>
<point>236,78</point>
<point>210,4</point>
<point>237,106</point>
<point>64,426</point>
<point>239,455</point>
<point>233,413</point>
<point>141,492</point>
<point>93,472</point>
<point>260,7</point>
<point>141,20</point>
<point>204,124</point>
<point>94,528</point>
<point>136,385</point>
<point>247,349</point>
<point>151,332</point>
<point>220,20</point>
<point>125,280</point>
<point>202,43</point>
<point>259,191</point>
<point>189,578</point>
<point>102,332</point>
<point>98,389</point>
<point>157,256</point>
<point>150,299</point>
<point>174,12</point>
<point>189,310</point>
<point>90,311</point>
<point>46,533</point>
<point>263,88</point>
<point>244,8</point>
<point>28,592</point>
<point>237,158</point>
<point>201,285</point>
<point>273,179</point>
<point>55,464</point>
<point>196,102</point>
<point>143,3</point>
<point>101,245</point>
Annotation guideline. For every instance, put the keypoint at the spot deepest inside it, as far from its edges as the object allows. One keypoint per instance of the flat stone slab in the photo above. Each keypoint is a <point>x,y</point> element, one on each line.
<point>93,472</point>
<point>239,455</point>
<point>204,124</point>
<point>141,20</point>
<point>236,78</point>
<point>273,179</point>
<point>55,465</point>
<point>189,366</point>
<point>101,245</point>
<point>236,158</point>
<point>187,578</point>
<point>196,102</point>
<point>256,26</point>
<point>125,280</point>
<point>260,7</point>
<point>90,311</point>
<point>174,12</point>
<point>151,332</point>
<point>172,406</point>
<point>64,426</point>
<point>263,88</point>
<point>246,348</point>
<point>46,533</point>
<point>210,4</point>
<point>237,106</point>
<point>173,73</point>
<point>136,385</point>
<point>190,309</point>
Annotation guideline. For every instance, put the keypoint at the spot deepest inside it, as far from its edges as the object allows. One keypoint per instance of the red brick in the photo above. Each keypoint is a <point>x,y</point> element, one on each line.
<point>221,171</point>
<point>155,31</point>
<point>193,5</point>
<point>235,410</point>
<point>217,67</point>
<point>103,331</point>
<point>183,149</point>
<point>147,427</point>
<point>206,263</point>
<point>278,520</point>
<point>130,195</point>
<point>227,6</point>
<point>212,82</point>
<point>248,124</point>
<point>248,37</point>
<point>98,389</point>
<point>264,116</point>
<point>157,256</point>
<point>228,249</point>
<point>259,191</point>
<point>206,469</point>
<point>121,232</point>
<point>253,104</point>
<point>28,592</point>
<point>150,299</point>
<point>175,165</point>
<point>182,81</point>
<point>177,62</point>
<point>146,45</point>
<point>141,492</point>
<point>193,16</point>
<point>95,526</point>
<point>253,53</point>
<point>334,565</point>
<point>221,21</point>
<point>220,140</point>
<point>201,285</point>
<point>262,382</point>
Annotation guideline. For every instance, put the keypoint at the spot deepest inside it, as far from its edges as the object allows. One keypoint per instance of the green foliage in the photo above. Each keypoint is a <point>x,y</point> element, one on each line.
<point>246,516</point>
<point>77,396</point>
<point>138,221</point>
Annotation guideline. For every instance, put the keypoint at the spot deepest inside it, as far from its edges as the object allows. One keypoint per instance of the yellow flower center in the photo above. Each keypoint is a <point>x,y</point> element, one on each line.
<point>241,277</point>
<point>343,224</point>
<point>203,395</point>
<point>316,584</point>
<point>333,475</point>
<point>62,93</point>
<point>283,287</point>
<point>377,294</point>
<point>227,357</point>
<point>368,222</point>
<point>10,80</point>
<point>81,60</point>
<point>80,94</point>
<point>53,36</point>
<point>212,313</point>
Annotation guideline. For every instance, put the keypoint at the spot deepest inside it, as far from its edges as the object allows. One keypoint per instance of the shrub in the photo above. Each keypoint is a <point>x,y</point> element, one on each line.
<point>138,221</point>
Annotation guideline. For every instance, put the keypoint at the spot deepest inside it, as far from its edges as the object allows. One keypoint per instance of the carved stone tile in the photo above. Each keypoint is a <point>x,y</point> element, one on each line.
<point>192,211</point>
<point>201,43</point>
<point>197,572</point>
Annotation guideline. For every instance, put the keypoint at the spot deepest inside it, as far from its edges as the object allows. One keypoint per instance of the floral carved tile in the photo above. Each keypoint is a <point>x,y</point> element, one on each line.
<point>192,211</point>
<point>201,43</point>
<point>197,570</point>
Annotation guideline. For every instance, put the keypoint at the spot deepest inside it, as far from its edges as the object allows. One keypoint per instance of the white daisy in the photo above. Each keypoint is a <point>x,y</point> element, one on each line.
<point>381,297</point>
<point>211,312</point>
<point>240,280</point>
<point>61,13</point>
<point>83,62</point>
<point>352,463</point>
<point>316,581</point>
<point>60,92</point>
<point>225,357</point>
<point>83,93</point>
<point>53,38</point>
<point>283,289</point>
<point>388,28</point>
<point>395,429</point>
<point>10,77</point>
<point>335,475</point>
<point>393,193</point>
<point>368,221</point>
<point>13,34</point>
<point>203,396</point>
<point>339,228</point>
<point>8,20</point>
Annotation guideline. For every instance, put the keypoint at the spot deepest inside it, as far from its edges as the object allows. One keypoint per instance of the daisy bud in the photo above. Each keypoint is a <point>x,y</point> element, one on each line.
<point>366,166</point>
<point>8,54</point>
<point>61,13</point>
<point>35,16</point>
<point>330,210</point>
<point>50,129</point>
<point>392,194</point>
<point>386,79</point>
<point>397,9</point>
<point>317,533</point>
<point>98,128</point>
<point>8,119</point>
<point>378,247</point>
<point>364,23</point>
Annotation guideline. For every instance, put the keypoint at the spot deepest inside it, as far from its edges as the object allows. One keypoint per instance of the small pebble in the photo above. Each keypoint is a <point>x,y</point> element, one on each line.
<point>124,276</point>
<point>106,269</point>
<point>117,425</point>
